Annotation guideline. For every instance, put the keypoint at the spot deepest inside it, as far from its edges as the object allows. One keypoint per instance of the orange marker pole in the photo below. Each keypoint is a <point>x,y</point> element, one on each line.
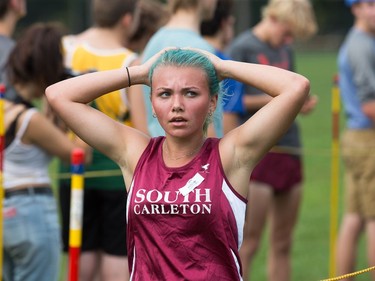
<point>2,142</point>
<point>335,174</point>
<point>76,210</point>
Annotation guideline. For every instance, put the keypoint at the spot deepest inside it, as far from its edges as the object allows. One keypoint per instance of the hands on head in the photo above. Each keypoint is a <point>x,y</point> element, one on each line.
<point>216,61</point>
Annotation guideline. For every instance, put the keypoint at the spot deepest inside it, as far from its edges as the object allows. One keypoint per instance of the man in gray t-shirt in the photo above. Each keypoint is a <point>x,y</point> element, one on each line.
<point>276,182</point>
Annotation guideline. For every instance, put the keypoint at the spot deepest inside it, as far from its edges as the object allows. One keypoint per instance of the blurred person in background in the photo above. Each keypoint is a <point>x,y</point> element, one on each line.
<point>219,32</point>
<point>276,182</point>
<point>356,65</point>
<point>150,16</point>
<point>32,237</point>
<point>11,11</point>
<point>103,47</point>
<point>181,30</point>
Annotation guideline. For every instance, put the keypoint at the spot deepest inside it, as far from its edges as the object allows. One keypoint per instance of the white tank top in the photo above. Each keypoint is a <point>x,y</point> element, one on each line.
<point>25,163</point>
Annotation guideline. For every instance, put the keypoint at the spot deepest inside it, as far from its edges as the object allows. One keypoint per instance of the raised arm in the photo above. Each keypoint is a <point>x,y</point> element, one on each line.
<point>137,105</point>
<point>69,98</point>
<point>244,146</point>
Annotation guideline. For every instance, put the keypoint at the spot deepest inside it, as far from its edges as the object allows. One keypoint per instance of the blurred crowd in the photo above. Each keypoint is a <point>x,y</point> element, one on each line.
<point>127,33</point>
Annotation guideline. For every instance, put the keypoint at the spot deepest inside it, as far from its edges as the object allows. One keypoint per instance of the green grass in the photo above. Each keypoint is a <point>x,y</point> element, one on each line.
<point>311,248</point>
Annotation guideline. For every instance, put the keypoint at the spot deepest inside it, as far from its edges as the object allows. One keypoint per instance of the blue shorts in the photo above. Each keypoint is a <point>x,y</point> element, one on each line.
<point>32,241</point>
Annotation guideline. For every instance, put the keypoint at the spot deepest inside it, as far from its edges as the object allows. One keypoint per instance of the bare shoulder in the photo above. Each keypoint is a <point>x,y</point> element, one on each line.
<point>73,40</point>
<point>136,61</point>
<point>39,123</point>
<point>38,127</point>
<point>83,36</point>
<point>11,112</point>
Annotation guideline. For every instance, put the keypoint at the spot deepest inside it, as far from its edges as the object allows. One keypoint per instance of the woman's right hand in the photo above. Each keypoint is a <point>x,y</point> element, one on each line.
<point>215,60</point>
<point>146,66</point>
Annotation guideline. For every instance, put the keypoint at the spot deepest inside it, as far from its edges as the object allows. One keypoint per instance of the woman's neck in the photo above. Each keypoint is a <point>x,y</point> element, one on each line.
<point>261,32</point>
<point>7,25</point>
<point>181,151</point>
<point>25,92</point>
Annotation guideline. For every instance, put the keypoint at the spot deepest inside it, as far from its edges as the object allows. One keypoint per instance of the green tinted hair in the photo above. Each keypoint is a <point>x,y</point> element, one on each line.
<point>189,58</point>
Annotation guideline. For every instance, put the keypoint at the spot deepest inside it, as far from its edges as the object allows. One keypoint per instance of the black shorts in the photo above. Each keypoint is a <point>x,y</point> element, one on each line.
<point>104,220</point>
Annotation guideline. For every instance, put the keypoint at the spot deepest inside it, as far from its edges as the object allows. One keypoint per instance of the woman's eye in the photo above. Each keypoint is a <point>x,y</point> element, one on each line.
<point>191,94</point>
<point>164,94</point>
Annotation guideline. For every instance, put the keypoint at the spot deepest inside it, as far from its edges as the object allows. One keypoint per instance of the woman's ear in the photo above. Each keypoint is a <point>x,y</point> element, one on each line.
<point>153,112</point>
<point>213,103</point>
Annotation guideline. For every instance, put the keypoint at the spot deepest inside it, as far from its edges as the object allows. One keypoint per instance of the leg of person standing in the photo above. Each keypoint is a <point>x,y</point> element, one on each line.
<point>260,197</point>
<point>113,254</point>
<point>352,222</point>
<point>283,218</point>
<point>347,241</point>
<point>275,194</point>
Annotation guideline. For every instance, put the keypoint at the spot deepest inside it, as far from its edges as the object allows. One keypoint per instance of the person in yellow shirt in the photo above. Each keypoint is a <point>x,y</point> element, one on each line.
<point>102,47</point>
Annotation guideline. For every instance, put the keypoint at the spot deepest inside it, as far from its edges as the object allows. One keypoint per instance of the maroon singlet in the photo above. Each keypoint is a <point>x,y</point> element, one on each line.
<point>173,235</point>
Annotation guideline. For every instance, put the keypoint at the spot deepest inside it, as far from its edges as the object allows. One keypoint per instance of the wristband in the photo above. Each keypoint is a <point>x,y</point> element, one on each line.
<point>127,71</point>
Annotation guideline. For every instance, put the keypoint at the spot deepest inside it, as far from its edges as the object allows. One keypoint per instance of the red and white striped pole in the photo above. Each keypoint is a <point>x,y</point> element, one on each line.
<point>76,210</point>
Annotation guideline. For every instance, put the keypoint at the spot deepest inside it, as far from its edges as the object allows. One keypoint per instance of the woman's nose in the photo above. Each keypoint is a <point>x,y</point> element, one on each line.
<point>177,104</point>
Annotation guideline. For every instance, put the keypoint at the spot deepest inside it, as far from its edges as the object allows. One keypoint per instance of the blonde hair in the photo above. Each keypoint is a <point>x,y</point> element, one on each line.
<point>299,14</point>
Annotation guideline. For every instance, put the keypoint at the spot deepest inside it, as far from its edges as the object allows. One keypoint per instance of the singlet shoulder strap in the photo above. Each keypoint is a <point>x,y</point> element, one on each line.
<point>26,120</point>
<point>25,123</point>
<point>11,132</point>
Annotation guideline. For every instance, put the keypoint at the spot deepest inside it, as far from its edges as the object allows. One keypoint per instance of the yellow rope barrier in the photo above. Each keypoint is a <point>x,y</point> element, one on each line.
<point>89,174</point>
<point>350,274</point>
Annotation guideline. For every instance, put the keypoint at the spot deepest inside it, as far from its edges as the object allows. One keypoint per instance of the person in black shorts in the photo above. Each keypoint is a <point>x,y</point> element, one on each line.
<point>102,47</point>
